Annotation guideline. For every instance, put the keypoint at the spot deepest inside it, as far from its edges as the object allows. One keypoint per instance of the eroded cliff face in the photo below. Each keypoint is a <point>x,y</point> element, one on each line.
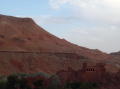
<point>116,59</point>
<point>33,62</point>
<point>26,47</point>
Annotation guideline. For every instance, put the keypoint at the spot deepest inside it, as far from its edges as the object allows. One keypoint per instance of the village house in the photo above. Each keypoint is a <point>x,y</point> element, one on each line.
<point>85,74</point>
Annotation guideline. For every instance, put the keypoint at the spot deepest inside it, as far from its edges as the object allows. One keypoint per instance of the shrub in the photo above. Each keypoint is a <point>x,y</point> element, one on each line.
<point>3,84</point>
<point>54,82</point>
<point>78,85</point>
<point>38,84</point>
<point>12,82</point>
<point>74,85</point>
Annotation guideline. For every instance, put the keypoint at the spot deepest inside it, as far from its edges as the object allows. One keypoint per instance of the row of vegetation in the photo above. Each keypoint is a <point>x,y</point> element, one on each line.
<point>17,81</point>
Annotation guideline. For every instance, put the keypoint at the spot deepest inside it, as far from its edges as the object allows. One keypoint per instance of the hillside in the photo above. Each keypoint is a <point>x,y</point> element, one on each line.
<point>27,47</point>
<point>117,54</point>
<point>116,59</point>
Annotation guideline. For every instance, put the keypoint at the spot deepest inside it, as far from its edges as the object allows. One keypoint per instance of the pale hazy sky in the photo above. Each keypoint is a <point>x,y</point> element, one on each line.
<point>90,23</point>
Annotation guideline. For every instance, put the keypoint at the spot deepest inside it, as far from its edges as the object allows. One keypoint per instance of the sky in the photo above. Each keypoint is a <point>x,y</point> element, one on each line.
<point>94,24</point>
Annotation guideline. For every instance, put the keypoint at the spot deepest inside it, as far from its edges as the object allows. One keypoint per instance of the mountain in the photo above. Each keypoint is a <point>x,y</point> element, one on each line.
<point>116,54</point>
<point>27,47</point>
<point>116,59</point>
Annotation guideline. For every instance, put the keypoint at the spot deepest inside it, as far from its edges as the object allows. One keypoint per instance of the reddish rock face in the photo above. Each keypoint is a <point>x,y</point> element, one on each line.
<point>26,47</point>
<point>116,56</point>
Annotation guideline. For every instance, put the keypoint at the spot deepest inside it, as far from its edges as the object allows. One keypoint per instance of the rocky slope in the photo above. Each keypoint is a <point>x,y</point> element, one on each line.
<point>116,54</point>
<point>116,59</point>
<point>26,47</point>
